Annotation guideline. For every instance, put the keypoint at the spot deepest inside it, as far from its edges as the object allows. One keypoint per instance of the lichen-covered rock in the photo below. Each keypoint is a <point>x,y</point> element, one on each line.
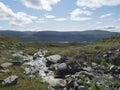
<point>61,69</point>
<point>4,71</point>
<point>5,65</point>
<point>40,53</point>
<point>53,59</point>
<point>11,80</point>
<point>82,88</point>
<point>18,54</point>
<point>40,62</point>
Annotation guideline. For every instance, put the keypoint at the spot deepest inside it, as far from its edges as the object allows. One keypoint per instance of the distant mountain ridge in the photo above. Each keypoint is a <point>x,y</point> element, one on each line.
<point>89,36</point>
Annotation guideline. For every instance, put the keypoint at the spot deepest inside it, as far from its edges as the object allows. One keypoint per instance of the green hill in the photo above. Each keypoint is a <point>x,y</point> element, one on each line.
<point>79,36</point>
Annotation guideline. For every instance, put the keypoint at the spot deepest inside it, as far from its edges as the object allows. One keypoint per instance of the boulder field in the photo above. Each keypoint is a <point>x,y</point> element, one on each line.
<point>60,75</point>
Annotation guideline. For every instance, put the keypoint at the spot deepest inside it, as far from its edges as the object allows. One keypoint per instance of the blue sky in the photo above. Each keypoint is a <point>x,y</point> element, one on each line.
<point>59,15</point>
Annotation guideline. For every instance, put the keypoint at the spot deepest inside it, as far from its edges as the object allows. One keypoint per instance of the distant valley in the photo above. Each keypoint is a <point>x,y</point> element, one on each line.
<point>79,36</point>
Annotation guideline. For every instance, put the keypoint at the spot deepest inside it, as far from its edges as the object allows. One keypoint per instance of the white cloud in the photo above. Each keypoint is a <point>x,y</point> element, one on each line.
<point>81,18</point>
<point>49,16</point>
<point>40,4</point>
<point>97,3</point>
<point>106,15</point>
<point>19,18</point>
<point>5,12</point>
<point>41,20</point>
<point>98,22</point>
<point>108,27</point>
<point>78,11</point>
<point>75,15</point>
<point>60,19</point>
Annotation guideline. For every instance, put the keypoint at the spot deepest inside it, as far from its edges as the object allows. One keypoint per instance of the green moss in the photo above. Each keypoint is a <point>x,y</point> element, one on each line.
<point>94,86</point>
<point>30,50</point>
<point>16,58</point>
<point>73,62</point>
<point>2,61</point>
<point>117,83</point>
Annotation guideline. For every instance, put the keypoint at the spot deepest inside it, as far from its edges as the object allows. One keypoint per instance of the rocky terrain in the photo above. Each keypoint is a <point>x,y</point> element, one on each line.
<point>57,66</point>
<point>61,75</point>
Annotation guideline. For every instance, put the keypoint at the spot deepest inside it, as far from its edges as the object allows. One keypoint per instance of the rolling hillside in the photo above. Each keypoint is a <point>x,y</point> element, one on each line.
<point>89,36</point>
<point>82,59</point>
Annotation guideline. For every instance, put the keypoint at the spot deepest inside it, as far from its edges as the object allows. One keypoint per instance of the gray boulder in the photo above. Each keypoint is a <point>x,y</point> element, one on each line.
<point>109,52</point>
<point>72,69</point>
<point>27,70</point>
<point>27,58</point>
<point>40,62</point>
<point>94,64</point>
<point>11,80</point>
<point>119,88</point>
<point>81,88</point>
<point>61,69</point>
<point>5,65</point>
<point>62,66</point>
<point>40,53</point>
<point>70,82</point>
<point>4,71</point>
<point>88,69</point>
<point>105,55</point>
<point>53,59</point>
<point>51,88</point>
<point>118,50</point>
<point>76,85</point>
<point>87,74</point>
<point>32,70</point>
<point>112,69</point>
<point>88,82</point>
<point>18,54</point>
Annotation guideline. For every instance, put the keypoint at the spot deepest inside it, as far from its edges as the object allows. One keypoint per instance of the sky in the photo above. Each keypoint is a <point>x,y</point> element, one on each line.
<point>60,15</point>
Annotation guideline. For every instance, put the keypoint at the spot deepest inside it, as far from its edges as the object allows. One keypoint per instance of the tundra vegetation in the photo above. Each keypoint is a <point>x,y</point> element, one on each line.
<point>78,65</point>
